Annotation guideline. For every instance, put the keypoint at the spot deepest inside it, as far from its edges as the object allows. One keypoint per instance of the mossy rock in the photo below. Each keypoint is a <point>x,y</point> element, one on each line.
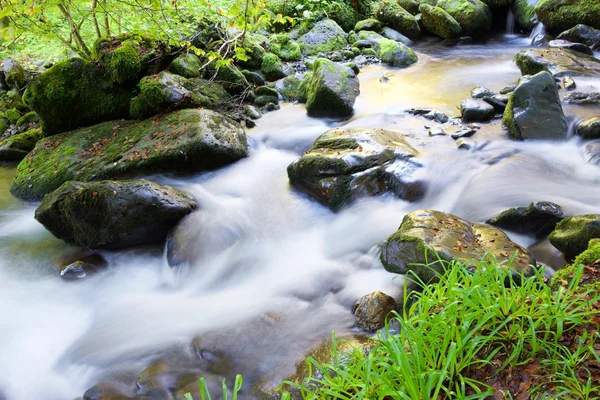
<point>28,119</point>
<point>370,24</point>
<point>272,68</point>
<point>473,16</point>
<point>75,93</point>
<point>559,62</point>
<point>396,54</point>
<point>344,15</point>
<point>16,147</point>
<point>582,34</point>
<point>412,6</point>
<point>498,3</point>
<point>12,99</point>
<point>13,115</point>
<point>345,165</point>
<point>253,78</point>
<point>254,51</point>
<point>524,14</point>
<point>285,48</point>
<point>439,22</point>
<point>14,74</point>
<point>560,15</point>
<point>324,37</point>
<point>187,65</point>
<point>332,90</point>
<point>590,279</point>
<point>183,141</point>
<point>426,236</point>
<point>393,15</point>
<point>572,235</point>
<point>290,89</point>
<point>228,76</point>
<point>539,218</point>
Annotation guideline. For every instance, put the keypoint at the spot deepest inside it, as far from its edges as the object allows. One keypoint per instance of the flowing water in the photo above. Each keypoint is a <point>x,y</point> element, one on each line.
<point>276,271</point>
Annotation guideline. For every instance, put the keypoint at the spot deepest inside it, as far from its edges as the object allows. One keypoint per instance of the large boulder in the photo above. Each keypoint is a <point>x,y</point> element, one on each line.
<point>426,236</point>
<point>110,214</point>
<point>559,62</point>
<point>559,15</point>
<point>285,48</point>
<point>534,110</point>
<point>396,54</point>
<point>439,22</point>
<point>539,218</point>
<point>572,234</point>
<point>183,141</point>
<point>16,147</point>
<point>473,16</point>
<point>75,93</point>
<point>345,165</point>
<point>524,13</point>
<point>272,68</point>
<point>331,90</point>
<point>582,34</point>
<point>324,37</point>
<point>392,14</point>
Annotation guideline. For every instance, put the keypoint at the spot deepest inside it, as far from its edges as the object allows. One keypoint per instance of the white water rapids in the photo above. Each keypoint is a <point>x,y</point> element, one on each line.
<point>277,271</point>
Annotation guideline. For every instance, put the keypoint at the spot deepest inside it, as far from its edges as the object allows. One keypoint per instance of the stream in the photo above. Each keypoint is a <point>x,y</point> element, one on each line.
<point>276,271</point>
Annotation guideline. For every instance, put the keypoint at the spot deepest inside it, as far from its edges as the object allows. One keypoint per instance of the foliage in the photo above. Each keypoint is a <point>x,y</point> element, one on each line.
<point>470,334</point>
<point>205,395</point>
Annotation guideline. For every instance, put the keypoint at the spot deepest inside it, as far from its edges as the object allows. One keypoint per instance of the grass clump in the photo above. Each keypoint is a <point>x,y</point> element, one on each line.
<point>479,331</point>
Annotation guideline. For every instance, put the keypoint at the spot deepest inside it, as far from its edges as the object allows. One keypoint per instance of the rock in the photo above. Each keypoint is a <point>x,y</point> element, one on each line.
<point>498,101</point>
<point>476,110</point>
<point>254,51</point>
<point>590,277</point>
<point>572,234</point>
<point>75,93</point>
<point>331,90</point>
<point>186,140</point>
<point>508,89</point>
<point>437,131</point>
<point>589,129</point>
<point>463,133</point>
<point>113,214</point>
<point>412,6</point>
<point>77,270</point>
<point>396,17</point>
<point>344,165</point>
<point>14,74</point>
<point>430,114</point>
<point>560,15</point>
<point>104,392</point>
<point>534,110</point>
<point>16,147</point>
<point>228,76</point>
<point>392,34</point>
<point>29,120</point>
<point>539,218</point>
<point>370,24</point>
<point>396,54</point>
<point>252,112</point>
<point>426,236</point>
<point>187,65</point>
<point>563,44</point>
<point>253,78</point>
<point>498,3</point>
<point>481,93</point>
<point>439,22</point>
<point>167,91</point>
<point>324,37</point>
<point>473,16</point>
<point>569,83</point>
<point>465,144</point>
<point>271,68</point>
<point>372,310</point>
<point>592,152</point>
<point>583,98</point>
<point>291,89</point>
<point>558,62</point>
<point>285,48</point>
<point>524,14</point>
<point>582,34</point>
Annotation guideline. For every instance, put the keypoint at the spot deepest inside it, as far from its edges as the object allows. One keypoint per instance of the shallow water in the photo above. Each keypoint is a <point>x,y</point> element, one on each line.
<point>276,272</point>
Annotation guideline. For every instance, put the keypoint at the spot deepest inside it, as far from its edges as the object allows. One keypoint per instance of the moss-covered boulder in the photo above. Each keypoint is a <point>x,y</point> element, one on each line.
<point>285,48</point>
<point>534,110</point>
<point>396,54</point>
<point>16,147</point>
<point>14,74</point>
<point>589,129</point>
<point>111,214</point>
<point>343,14</point>
<point>187,65</point>
<point>582,34</point>
<point>229,76</point>
<point>369,24</point>
<point>272,68</point>
<point>590,279</point>
<point>559,15</point>
<point>28,119</point>
<point>324,37</point>
<point>166,91</point>
<point>254,51</point>
<point>183,141</point>
<point>524,13</point>
<point>345,165</point>
<point>426,236</point>
<point>539,218</point>
<point>75,93</point>
<point>412,6</point>
<point>332,90</point>
<point>290,89</point>
<point>559,62</point>
<point>572,234</point>
<point>392,14</point>
<point>439,22</point>
<point>498,3</point>
<point>474,16</point>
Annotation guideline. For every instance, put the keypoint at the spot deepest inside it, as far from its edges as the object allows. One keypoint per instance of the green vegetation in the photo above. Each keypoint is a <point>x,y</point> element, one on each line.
<point>205,395</point>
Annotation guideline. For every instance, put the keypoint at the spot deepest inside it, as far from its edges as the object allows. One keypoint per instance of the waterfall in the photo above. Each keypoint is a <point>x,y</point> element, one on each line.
<point>510,22</point>
<point>537,34</point>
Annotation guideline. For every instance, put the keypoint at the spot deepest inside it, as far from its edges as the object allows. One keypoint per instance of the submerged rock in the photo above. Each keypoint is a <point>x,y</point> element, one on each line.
<point>77,270</point>
<point>559,15</point>
<point>331,90</point>
<point>372,310</point>
<point>426,236</point>
<point>558,62</point>
<point>589,129</point>
<point>583,98</point>
<point>183,141</point>
<point>476,110</point>
<point>534,110</point>
<point>111,214</point>
<point>582,34</point>
<point>572,235</point>
<point>344,165</point>
<point>564,44</point>
<point>539,218</point>
<point>324,37</point>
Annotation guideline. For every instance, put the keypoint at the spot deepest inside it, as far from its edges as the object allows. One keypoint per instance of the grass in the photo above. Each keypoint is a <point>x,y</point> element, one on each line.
<point>205,394</point>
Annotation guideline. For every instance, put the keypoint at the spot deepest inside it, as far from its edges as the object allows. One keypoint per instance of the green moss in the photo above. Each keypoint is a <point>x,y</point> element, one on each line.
<point>411,6</point>
<point>369,52</point>
<point>254,51</point>
<point>508,119</point>
<point>266,99</point>
<point>528,65</point>
<point>230,77</point>
<point>3,125</point>
<point>124,64</point>
<point>271,67</point>
<point>12,115</point>
<point>572,235</point>
<point>186,65</point>
<point>324,37</point>
<point>29,118</point>
<point>396,54</point>
<point>392,14</point>
<point>16,147</point>
<point>560,15</point>
<point>285,48</point>
<point>439,22</point>
<point>564,276</point>
<point>524,13</point>
<point>473,16</point>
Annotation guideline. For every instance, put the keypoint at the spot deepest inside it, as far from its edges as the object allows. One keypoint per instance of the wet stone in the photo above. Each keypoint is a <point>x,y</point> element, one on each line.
<point>589,129</point>
<point>437,131</point>
<point>463,133</point>
<point>372,310</point>
<point>572,235</point>
<point>476,110</point>
<point>78,270</point>
<point>465,144</point>
<point>539,218</point>
<point>498,101</point>
<point>564,44</point>
<point>480,92</point>
<point>583,98</point>
<point>508,89</point>
<point>569,83</point>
